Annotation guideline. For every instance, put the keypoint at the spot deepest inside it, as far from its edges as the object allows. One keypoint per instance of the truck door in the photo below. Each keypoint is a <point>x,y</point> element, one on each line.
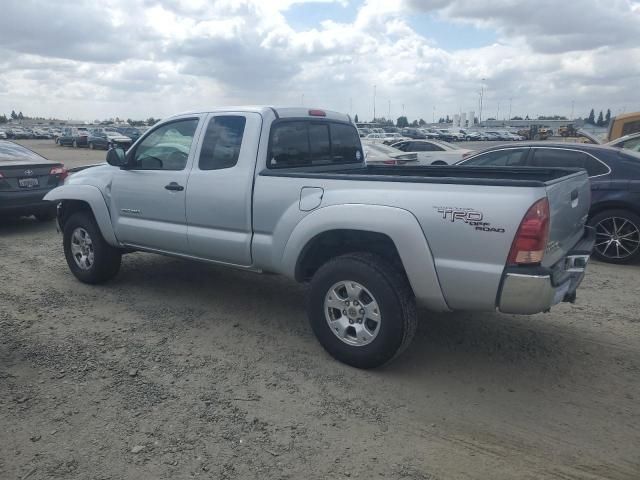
<point>220,188</point>
<point>148,197</point>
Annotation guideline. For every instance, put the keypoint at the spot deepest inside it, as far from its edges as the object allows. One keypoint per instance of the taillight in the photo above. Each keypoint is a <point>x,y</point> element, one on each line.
<point>390,162</point>
<point>59,171</point>
<point>531,239</point>
<point>1,176</point>
<point>317,113</point>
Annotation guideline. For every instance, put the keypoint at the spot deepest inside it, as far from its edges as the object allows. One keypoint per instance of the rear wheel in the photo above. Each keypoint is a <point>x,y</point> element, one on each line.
<point>362,310</point>
<point>90,258</point>
<point>617,236</point>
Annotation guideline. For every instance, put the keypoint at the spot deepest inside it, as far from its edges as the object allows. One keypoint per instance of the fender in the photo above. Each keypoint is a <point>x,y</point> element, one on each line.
<point>93,196</point>
<point>398,224</point>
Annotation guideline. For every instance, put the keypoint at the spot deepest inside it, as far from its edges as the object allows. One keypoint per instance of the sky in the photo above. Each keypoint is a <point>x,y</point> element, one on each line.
<point>427,58</point>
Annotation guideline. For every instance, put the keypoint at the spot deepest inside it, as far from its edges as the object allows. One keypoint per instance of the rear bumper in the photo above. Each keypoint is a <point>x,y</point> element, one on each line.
<point>529,290</point>
<point>26,202</point>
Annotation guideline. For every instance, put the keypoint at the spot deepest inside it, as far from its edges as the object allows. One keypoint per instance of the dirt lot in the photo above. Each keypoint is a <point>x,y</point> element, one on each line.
<point>181,370</point>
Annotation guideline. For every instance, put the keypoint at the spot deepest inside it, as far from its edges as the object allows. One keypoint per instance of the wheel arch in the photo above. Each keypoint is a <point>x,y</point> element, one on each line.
<point>74,198</point>
<point>391,232</point>
<point>612,205</point>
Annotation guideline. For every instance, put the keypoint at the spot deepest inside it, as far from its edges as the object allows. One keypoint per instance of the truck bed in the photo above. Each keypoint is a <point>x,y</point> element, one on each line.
<point>445,174</point>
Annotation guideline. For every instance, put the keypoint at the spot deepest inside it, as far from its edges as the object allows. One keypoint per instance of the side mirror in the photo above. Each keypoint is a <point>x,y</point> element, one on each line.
<point>116,157</point>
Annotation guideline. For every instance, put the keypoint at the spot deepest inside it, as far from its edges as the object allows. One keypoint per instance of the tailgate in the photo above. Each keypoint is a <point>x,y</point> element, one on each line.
<point>569,203</point>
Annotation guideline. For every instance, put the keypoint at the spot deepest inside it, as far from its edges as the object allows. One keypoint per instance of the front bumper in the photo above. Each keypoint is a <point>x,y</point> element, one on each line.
<point>529,290</point>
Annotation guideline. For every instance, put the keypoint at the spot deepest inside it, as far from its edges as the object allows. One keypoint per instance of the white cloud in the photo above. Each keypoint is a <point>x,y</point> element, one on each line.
<point>142,58</point>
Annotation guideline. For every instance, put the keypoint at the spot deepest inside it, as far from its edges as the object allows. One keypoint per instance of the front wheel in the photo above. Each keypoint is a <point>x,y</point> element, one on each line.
<point>617,236</point>
<point>362,310</point>
<point>90,258</point>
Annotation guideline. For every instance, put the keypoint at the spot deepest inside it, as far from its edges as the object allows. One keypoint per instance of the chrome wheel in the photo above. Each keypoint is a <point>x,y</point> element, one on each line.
<point>352,313</point>
<point>82,248</point>
<point>617,238</point>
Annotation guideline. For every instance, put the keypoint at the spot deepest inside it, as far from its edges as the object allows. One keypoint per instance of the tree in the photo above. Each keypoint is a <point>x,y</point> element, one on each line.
<point>446,120</point>
<point>600,121</point>
<point>527,117</point>
<point>3,118</point>
<point>607,117</point>
<point>516,118</point>
<point>422,122</point>
<point>356,118</point>
<point>402,122</point>
<point>414,123</point>
<point>14,115</point>
<point>152,121</point>
<point>20,116</point>
<point>592,118</point>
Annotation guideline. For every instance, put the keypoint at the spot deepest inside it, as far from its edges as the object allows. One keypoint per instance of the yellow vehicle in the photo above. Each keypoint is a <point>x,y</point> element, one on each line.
<point>624,124</point>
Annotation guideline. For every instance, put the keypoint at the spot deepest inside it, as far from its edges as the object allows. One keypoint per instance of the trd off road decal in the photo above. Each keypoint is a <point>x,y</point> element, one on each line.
<point>469,216</point>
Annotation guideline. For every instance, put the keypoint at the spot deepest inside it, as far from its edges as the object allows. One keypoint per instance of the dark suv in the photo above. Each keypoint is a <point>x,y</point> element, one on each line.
<point>615,188</point>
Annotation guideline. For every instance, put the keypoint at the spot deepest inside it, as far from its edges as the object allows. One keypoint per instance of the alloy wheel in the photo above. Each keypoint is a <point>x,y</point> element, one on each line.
<point>617,238</point>
<point>352,313</point>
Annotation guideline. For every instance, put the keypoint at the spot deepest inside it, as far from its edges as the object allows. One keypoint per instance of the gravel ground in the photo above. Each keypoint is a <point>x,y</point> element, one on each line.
<point>181,370</point>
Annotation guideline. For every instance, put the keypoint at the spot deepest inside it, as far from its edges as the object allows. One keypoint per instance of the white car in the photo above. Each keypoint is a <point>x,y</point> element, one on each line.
<point>434,152</point>
<point>3,134</point>
<point>380,154</point>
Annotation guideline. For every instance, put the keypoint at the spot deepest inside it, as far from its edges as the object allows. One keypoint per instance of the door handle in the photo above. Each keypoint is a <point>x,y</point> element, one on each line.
<point>173,186</point>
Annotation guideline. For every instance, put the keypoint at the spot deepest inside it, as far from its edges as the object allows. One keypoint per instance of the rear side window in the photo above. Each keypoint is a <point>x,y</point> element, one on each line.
<point>548,157</point>
<point>513,157</point>
<point>305,143</point>
<point>222,142</point>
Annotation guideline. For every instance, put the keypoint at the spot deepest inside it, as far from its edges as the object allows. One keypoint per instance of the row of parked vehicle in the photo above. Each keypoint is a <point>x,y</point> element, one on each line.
<point>394,134</point>
<point>25,133</point>
<point>98,138</point>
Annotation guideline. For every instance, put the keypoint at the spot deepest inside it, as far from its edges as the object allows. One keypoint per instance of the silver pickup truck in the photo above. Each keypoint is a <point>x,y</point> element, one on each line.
<point>288,191</point>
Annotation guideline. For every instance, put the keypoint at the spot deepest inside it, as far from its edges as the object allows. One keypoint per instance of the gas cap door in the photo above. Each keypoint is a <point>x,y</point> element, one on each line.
<point>310,198</point>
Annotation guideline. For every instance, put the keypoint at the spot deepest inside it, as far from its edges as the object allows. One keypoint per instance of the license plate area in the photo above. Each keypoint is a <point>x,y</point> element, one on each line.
<point>28,182</point>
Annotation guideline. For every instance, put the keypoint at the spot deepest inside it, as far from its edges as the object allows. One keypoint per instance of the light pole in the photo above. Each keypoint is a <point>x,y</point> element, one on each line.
<point>498,112</point>
<point>481,98</point>
<point>572,104</point>
<point>389,116</point>
<point>433,116</point>
<point>374,103</point>
<point>510,99</point>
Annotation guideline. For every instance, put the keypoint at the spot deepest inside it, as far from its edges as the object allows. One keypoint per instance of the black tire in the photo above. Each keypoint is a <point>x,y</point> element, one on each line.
<point>395,300</point>
<point>609,255</point>
<point>439,162</point>
<point>107,259</point>
<point>46,215</point>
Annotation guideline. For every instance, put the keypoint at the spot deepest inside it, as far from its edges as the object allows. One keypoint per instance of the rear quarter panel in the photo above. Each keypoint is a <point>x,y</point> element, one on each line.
<point>469,258</point>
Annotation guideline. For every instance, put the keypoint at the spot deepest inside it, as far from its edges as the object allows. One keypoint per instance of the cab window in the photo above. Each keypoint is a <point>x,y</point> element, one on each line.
<point>167,147</point>
<point>222,142</point>
<point>306,143</point>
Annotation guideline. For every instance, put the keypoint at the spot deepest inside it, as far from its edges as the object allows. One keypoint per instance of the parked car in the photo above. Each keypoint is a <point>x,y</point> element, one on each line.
<point>105,139</point>
<point>65,137</point>
<point>413,133</point>
<point>300,200</point>
<point>131,132</point>
<point>471,135</point>
<point>18,133</point>
<point>25,177</point>
<point>629,142</point>
<point>615,188</point>
<point>3,135</point>
<point>381,154</point>
<point>434,152</point>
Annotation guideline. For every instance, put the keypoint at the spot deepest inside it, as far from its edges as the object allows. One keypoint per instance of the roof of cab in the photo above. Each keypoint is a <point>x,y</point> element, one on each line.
<point>281,112</point>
